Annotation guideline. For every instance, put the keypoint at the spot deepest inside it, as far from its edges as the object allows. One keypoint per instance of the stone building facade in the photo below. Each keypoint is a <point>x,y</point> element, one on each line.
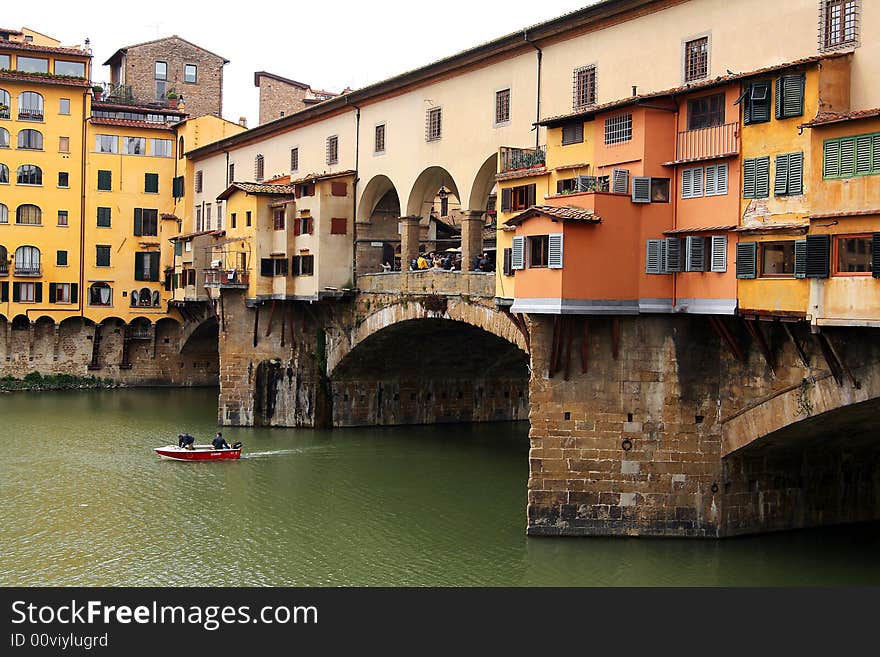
<point>281,97</point>
<point>152,69</point>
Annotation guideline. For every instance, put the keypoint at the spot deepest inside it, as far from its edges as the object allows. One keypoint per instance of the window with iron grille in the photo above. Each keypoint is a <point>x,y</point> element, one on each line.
<point>696,59</point>
<point>333,150</point>
<point>433,124</point>
<point>618,129</point>
<point>379,142</point>
<point>230,177</point>
<point>839,23</point>
<point>258,168</point>
<point>584,87</point>
<point>198,183</point>
<point>502,106</point>
<point>294,159</point>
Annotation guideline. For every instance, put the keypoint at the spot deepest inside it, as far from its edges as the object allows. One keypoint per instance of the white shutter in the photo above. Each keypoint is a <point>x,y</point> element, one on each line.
<point>620,181</point>
<point>554,255</point>
<point>518,253</point>
<point>698,182</point>
<point>641,189</point>
<point>673,255</point>
<point>654,257</point>
<point>695,248</point>
<point>711,180</point>
<point>721,179</point>
<point>719,253</point>
<point>687,183</point>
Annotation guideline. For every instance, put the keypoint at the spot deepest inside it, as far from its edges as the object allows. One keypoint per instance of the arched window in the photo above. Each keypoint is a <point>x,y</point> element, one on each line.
<point>146,297</point>
<point>4,256</point>
<point>4,138</point>
<point>100,294</point>
<point>27,261</point>
<point>30,140</point>
<point>29,174</point>
<point>4,104</point>
<point>134,298</point>
<point>4,173</point>
<point>180,148</point>
<point>258,168</point>
<point>30,106</point>
<point>28,214</point>
<point>4,214</point>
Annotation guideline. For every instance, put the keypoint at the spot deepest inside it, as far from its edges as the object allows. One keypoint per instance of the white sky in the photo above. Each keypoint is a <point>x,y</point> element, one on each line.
<point>329,45</point>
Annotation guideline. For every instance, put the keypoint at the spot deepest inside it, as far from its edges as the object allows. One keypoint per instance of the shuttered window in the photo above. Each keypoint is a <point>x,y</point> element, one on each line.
<point>200,176</point>
<point>620,181</point>
<point>716,179</point>
<point>508,262</point>
<point>875,255</point>
<point>847,157</point>
<point>554,258</point>
<point>177,190</point>
<point>146,266</point>
<point>695,253</point>
<point>756,177</point>
<point>756,103</point>
<point>790,96</point>
<point>517,260</point>
<point>718,257</point>
<point>151,183</point>
<point>818,256</point>
<point>800,259</point>
<point>747,260</point>
<point>654,257</point>
<point>673,255</point>
<point>105,181</point>
<point>104,217</point>
<point>573,133</point>
<point>789,179</point>
<point>641,189</point>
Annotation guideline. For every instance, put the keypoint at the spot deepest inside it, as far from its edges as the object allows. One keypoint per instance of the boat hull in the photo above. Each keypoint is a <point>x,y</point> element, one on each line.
<point>200,453</point>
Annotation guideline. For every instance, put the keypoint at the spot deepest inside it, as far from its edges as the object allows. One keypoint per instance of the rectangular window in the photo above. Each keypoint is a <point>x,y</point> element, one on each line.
<point>777,259</point>
<point>103,217</point>
<point>146,266</point>
<point>60,293</point>
<point>161,71</point>
<point>27,292</point>
<point>230,175</point>
<point>839,23</point>
<point>584,87</point>
<point>4,62</point>
<point>847,157</point>
<point>573,133</point>
<point>853,255</point>
<point>789,179</point>
<point>146,222</point>
<point>303,265</point>
<point>692,182</point>
<point>756,177</point>
<point>198,182</point>
<point>248,218</point>
<point>706,112</point>
<point>618,129</point>
<point>502,106</point>
<point>294,159</point>
<point>151,183</point>
<point>71,69</point>
<point>433,124</point>
<point>539,250</point>
<point>518,198</point>
<point>61,258</point>
<point>659,190</point>
<point>63,179</point>
<point>716,179</point>
<point>756,102</point>
<point>160,147</point>
<point>62,218</point>
<point>233,219</point>
<point>303,225</point>
<point>379,140</point>
<point>190,73</point>
<point>64,144</point>
<point>64,105</point>
<point>31,64</point>
<point>696,59</point>
<point>105,181</point>
<point>106,144</point>
<point>278,219</point>
<point>259,167</point>
<point>177,187</point>
<point>102,255</point>
<point>134,145</point>
<point>332,150</point>
<point>338,226</point>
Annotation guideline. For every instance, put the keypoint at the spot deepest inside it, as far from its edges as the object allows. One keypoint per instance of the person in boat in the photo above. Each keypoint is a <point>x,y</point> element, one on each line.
<point>219,442</point>
<point>185,441</point>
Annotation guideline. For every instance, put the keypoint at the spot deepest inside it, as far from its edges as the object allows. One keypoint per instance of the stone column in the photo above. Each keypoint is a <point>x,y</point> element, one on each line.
<point>409,240</point>
<point>472,223</point>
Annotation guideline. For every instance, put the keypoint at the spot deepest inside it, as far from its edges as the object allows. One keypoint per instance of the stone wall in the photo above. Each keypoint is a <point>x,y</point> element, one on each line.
<point>279,98</point>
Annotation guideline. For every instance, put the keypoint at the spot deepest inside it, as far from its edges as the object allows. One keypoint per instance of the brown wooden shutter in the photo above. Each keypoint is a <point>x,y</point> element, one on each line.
<point>531,195</point>
<point>506,199</point>
<point>311,225</point>
<point>138,221</point>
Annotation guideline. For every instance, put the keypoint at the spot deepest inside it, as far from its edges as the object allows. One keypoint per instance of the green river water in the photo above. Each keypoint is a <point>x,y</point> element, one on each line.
<point>85,502</point>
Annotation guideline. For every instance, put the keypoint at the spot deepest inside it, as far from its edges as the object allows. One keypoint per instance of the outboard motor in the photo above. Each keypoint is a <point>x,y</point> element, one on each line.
<point>237,445</point>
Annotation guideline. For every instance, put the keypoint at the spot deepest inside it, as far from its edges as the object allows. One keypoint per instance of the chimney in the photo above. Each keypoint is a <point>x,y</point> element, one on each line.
<point>242,121</point>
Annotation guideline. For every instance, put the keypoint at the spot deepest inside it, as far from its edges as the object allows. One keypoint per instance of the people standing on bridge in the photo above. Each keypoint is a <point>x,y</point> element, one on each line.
<point>422,262</point>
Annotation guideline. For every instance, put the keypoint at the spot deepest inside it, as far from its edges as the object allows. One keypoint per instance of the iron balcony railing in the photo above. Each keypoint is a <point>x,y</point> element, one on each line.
<point>226,277</point>
<point>30,115</point>
<point>513,159</point>
<point>4,269</point>
<point>28,271</point>
<point>707,143</point>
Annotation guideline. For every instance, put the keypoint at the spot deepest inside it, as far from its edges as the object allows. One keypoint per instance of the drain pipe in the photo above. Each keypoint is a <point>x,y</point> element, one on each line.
<point>538,92</point>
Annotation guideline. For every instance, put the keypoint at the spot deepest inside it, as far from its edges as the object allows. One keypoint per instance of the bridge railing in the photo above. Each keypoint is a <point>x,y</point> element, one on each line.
<point>477,284</point>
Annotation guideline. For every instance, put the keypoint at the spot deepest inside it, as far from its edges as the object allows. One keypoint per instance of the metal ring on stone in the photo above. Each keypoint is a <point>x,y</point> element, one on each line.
<point>626,445</point>
<point>714,487</point>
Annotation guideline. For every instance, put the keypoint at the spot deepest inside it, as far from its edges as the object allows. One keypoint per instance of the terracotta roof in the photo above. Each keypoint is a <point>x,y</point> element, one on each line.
<point>42,78</point>
<point>828,118</point>
<point>322,92</point>
<point>579,165</point>
<point>766,228</point>
<point>843,213</point>
<point>563,213</point>
<point>55,50</point>
<point>521,173</point>
<point>148,109</point>
<point>125,123</point>
<point>186,236</point>
<point>555,121</point>
<point>168,215</point>
<point>10,31</point>
<point>265,74</point>
<point>701,229</point>
<point>122,51</point>
<point>256,188</point>
<point>315,177</point>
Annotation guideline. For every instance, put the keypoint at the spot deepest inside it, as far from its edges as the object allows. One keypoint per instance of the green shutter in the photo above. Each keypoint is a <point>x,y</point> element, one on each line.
<point>800,259</point>
<point>151,183</point>
<point>105,180</point>
<point>178,248</point>
<point>747,260</point>
<point>847,157</point>
<point>177,187</point>
<point>138,221</point>
<point>74,292</point>
<point>749,170</point>
<point>52,294</point>
<point>780,187</point>
<point>154,265</point>
<point>762,177</point>
<point>506,199</point>
<point>795,173</point>
<point>38,293</point>
<point>875,255</point>
<point>16,292</point>
<point>4,292</point>
<point>139,266</point>
<point>818,256</point>
<point>790,96</point>
<point>831,157</point>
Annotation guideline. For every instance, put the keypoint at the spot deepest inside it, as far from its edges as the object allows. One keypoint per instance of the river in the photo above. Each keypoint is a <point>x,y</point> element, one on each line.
<point>85,502</point>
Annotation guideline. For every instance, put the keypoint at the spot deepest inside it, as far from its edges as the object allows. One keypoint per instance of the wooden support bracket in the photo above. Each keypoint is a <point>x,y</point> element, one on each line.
<point>615,337</point>
<point>585,346</point>
<point>727,337</point>
<point>271,317</point>
<point>256,323</point>
<point>835,363</point>
<point>757,334</point>
<point>805,359</point>
<point>569,335</point>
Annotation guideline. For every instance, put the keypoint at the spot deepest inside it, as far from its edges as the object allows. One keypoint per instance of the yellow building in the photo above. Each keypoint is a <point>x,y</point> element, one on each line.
<point>44,100</point>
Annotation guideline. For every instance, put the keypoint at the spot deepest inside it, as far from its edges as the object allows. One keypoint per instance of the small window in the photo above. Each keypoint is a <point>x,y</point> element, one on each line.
<point>4,138</point>
<point>134,145</point>
<point>332,150</point>
<point>61,258</point>
<point>64,106</point>
<point>777,259</point>
<point>177,187</point>
<point>190,73</point>
<point>4,214</point>
<point>303,265</point>
<point>756,102</point>
<point>27,292</point>
<point>379,142</point>
<point>839,23</point>
<point>790,96</point>
<point>62,218</point>
<point>106,144</point>
<point>696,59</point>
<point>60,292</point>
<point>161,71</point>
<point>278,219</point>
<point>198,182</point>
<point>573,133</point>
<point>233,219</point>
<point>502,106</point>
<point>659,190</point>
<point>434,124</point>
<point>151,183</point>
<point>63,179</point>
<point>854,255</point>
<point>4,173</point>
<point>101,294</point>
<point>247,218</point>
<point>584,87</point>
<point>338,226</point>
<point>259,164</point>
<point>339,189</point>
<point>104,217</point>
<point>789,179</point>
<point>706,112</point>
<point>294,159</point>
<point>618,129</point>
<point>102,255</point>
<point>756,177</point>
<point>539,250</point>
<point>64,144</point>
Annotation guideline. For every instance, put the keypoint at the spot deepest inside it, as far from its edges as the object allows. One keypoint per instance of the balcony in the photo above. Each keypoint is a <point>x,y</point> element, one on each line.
<point>515,159</point>
<point>30,115</point>
<point>28,271</point>
<point>4,269</point>
<point>230,278</point>
<point>707,143</point>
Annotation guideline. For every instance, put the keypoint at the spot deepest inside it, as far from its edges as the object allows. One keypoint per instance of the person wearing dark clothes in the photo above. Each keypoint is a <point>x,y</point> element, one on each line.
<point>219,442</point>
<point>185,441</point>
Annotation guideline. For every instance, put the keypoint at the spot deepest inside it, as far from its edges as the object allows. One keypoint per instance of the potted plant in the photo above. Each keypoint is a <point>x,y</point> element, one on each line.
<point>98,91</point>
<point>173,98</point>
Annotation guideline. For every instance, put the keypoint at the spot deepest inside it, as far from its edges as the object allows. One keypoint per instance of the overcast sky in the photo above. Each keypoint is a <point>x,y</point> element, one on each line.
<point>329,45</point>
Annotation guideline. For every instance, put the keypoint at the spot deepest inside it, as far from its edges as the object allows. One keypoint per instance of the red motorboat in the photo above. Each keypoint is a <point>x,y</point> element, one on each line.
<point>198,453</point>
